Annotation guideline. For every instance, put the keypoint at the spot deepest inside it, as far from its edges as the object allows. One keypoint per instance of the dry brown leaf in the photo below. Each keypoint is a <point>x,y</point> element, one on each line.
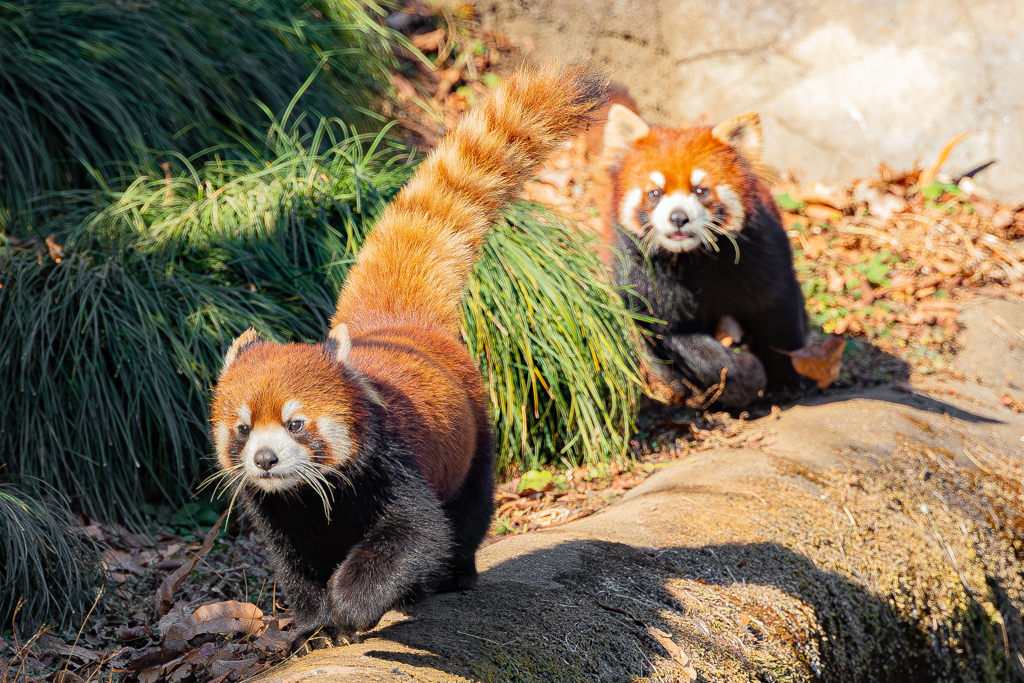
<point>678,656</point>
<point>429,42</point>
<point>928,175</point>
<point>165,594</point>
<point>821,362</point>
<point>229,616</point>
<point>56,252</point>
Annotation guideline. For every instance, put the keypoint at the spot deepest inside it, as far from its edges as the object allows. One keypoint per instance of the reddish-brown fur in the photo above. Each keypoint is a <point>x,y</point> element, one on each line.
<point>402,299</point>
<point>676,152</point>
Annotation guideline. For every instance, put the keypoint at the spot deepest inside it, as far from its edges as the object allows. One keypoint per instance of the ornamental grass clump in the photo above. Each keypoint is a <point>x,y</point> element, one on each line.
<point>87,84</point>
<point>111,353</point>
<point>49,565</point>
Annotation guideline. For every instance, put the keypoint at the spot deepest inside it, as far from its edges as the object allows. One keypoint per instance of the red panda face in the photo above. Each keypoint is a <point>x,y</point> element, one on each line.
<point>283,414</point>
<point>677,204</point>
<point>679,189</point>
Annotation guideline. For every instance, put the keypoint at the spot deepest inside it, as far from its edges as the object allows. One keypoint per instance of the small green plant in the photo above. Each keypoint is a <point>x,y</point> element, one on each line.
<point>787,203</point>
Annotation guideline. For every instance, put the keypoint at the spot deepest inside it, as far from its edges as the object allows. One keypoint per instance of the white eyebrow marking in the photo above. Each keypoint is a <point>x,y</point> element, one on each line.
<point>289,410</point>
<point>244,414</point>
<point>658,179</point>
<point>697,176</point>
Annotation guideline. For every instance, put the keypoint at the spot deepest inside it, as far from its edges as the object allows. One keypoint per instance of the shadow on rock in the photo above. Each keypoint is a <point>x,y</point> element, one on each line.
<point>581,610</point>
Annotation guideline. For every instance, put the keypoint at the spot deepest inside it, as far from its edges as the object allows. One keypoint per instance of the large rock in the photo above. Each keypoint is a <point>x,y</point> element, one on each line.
<point>841,85</point>
<point>868,537</point>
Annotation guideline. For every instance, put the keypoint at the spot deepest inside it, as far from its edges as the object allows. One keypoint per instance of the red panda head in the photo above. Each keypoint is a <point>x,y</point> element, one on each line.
<point>678,189</point>
<point>284,413</point>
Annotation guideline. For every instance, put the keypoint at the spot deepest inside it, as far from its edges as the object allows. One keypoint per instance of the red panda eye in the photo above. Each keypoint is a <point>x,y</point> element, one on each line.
<point>243,431</point>
<point>295,426</point>
<point>701,192</point>
<point>654,195</point>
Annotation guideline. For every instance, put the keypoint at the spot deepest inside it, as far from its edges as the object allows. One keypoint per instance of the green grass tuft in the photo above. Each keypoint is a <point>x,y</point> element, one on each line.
<point>554,344</point>
<point>86,83</point>
<point>48,564</point>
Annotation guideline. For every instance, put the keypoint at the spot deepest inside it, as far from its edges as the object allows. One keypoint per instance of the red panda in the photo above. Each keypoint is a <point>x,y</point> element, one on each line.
<point>365,461</point>
<point>701,240</point>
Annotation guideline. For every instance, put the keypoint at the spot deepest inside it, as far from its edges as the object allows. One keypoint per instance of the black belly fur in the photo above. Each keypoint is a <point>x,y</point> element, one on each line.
<point>692,291</point>
<point>388,541</point>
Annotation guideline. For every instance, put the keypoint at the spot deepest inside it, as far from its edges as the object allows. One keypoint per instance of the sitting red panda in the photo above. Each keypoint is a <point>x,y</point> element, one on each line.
<point>365,461</point>
<point>701,241</point>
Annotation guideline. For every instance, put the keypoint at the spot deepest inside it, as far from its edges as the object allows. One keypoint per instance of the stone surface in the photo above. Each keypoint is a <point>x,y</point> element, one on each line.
<point>868,537</point>
<point>841,85</point>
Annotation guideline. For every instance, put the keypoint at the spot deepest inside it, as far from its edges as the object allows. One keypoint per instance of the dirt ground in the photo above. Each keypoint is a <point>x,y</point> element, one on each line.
<point>869,536</point>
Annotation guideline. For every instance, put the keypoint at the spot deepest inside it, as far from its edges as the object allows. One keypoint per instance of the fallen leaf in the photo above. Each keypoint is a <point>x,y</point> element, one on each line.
<point>229,616</point>
<point>928,175</point>
<point>676,652</point>
<point>56,252</point>
<point>821,362</point>
<point>165,594</point>
<point>154,659</point>
<point>536,481</point>
<point>820,212</point>
<point>429,42</point>
<point>58,646</point>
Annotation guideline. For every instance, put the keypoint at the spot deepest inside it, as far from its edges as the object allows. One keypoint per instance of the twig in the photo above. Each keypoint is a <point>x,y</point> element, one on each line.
<point>67,662</point>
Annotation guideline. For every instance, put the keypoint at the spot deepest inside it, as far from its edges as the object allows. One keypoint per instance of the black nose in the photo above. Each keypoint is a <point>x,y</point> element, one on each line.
<point>678,218</point>
<point>265,459</point>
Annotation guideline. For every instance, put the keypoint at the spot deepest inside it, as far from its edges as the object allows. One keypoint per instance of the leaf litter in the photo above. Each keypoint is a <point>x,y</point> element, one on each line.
<point>884,263</point>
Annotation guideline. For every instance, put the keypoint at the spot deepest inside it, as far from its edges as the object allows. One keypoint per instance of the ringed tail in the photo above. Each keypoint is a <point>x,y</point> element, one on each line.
<point>416,261</point>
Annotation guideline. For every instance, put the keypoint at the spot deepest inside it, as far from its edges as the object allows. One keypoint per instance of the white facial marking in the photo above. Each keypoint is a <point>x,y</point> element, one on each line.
<point>731,199</point>
<point>673,238</point>
<point>289,410</point>
<point>658,179</point>
<point>697,177</point>
<point>337,437</point>
<point>221,436</point>
<point>627,210</point>
<point>244,415</point>
<point>290,457</point>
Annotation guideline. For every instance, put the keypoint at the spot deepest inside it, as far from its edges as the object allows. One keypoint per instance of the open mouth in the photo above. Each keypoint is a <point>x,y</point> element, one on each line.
<point>679,236</point>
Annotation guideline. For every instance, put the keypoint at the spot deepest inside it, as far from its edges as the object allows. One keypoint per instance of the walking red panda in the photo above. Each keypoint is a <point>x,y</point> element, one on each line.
<point>701,241</point>
<point>365,461</point>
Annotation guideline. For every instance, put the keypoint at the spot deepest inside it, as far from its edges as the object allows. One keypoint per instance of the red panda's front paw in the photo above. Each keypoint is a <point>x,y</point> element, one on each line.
<point>347,638</point>
<point>307,640</point>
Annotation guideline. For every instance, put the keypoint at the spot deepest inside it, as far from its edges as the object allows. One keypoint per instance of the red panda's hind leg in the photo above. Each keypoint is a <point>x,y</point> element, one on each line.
<point>470,512</point>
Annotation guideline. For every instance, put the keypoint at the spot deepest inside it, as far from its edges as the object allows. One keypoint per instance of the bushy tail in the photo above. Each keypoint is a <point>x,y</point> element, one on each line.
<point>415,263</point>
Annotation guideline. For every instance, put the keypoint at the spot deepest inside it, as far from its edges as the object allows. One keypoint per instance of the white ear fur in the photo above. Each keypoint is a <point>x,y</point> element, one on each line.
<point>624,128</point>
<point>248,337</point>
<point>339,333</point>
<point>742,133</point>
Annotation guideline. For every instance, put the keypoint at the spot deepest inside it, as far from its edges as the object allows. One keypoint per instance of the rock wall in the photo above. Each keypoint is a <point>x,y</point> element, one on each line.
<point>841,84</point>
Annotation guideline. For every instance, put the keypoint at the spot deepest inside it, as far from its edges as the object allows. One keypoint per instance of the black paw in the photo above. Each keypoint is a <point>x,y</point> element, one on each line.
<point>745,381</point>
<point>460,581</point>
<point>307,640</point>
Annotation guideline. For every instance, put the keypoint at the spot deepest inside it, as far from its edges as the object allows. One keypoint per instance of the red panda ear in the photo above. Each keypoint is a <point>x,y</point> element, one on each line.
<point>742,133</point>
<point>339,333</point>
<point>250,336</point>
<point>624,128</point>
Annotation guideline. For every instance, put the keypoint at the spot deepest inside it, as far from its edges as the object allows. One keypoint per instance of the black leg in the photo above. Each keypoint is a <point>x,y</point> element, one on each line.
<point>470,513</point>
<point>407,548</point>
<point>309,606</point>
<point>700,358</point>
